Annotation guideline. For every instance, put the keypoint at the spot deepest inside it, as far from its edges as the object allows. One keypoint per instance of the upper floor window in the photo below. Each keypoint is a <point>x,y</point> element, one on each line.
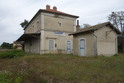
<point>37,23</point>
<point>60,24</point>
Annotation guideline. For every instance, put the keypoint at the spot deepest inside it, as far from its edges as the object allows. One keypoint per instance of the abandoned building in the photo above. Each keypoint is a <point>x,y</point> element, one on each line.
<point>47,32</point>
<point>96,40</point>
<point>52,31</point>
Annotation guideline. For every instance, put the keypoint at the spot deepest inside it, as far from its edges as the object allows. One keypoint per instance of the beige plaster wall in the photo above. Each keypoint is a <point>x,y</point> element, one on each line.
<point>59,40</point>
<point>51,24</point>
<point>34,26</point>
<point>60,23</point>
<point>106,41</point>
<point>89,44</point>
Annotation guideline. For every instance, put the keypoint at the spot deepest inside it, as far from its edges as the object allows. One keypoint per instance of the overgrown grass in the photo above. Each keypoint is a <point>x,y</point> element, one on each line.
<point>4,77</point>
<point>63,69</point>
<point>12,54</point>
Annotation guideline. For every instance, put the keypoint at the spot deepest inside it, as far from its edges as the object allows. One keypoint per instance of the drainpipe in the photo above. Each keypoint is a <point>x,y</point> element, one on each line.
<point>95,43</point>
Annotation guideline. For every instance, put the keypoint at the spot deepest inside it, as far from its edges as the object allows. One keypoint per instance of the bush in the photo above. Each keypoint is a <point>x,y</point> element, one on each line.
<point>12,54</point>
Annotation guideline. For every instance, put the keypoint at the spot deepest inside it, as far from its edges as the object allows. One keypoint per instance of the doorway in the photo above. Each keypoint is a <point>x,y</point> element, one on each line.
<point>82,47</point>
<point>68,47</point>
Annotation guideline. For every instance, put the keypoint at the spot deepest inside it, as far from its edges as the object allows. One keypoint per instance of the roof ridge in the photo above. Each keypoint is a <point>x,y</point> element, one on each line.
<point>95,27</point>
<point>59,12</point>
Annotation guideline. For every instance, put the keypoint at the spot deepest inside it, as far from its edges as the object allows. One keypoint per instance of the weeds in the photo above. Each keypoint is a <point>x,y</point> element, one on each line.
<point>12,54</point>
<point>62,69</point>
<point>4,76</point>
<point>18,80</point>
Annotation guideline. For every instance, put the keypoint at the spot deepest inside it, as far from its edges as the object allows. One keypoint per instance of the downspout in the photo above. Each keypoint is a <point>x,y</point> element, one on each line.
<point>95,44</point>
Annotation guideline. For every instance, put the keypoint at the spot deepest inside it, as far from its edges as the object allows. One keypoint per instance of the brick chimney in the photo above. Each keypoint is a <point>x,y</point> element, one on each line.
<point>47,7</point>
<point>54,8</point>
<point>77,26</point>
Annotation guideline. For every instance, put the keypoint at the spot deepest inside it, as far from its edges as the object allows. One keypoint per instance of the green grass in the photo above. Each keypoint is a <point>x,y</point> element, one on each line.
<point>63,69</point>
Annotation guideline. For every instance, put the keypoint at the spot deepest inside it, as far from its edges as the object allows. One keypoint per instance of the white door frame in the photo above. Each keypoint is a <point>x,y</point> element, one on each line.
<point>84,45</point>
<point>53,45</point>
<point>70,46</point>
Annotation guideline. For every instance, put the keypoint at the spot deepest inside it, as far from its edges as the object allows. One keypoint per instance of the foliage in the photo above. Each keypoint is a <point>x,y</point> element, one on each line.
<point>23,24</point>
<point>12,54</point>
<point>86,25</point>
<point>6,45</point>
<point>117,19</point>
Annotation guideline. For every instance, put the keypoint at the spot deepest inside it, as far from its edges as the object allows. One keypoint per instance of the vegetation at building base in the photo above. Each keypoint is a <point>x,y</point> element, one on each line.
<point>62,69</point>
<point>12,53</point>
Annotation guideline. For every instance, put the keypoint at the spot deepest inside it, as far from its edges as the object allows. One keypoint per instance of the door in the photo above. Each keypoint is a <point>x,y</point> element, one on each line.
<point>51,45</point>
<point>30,46</point>
<point>68,47</point>
<point>82,47</point>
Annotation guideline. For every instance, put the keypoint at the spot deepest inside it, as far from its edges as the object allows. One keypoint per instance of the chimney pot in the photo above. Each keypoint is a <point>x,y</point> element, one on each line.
<point>77,26</point>
<point>54,8</point>
<point>47,7</point>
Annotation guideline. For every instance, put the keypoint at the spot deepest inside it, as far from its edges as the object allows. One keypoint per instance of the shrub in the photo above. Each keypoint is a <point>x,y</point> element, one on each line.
<point>115,55</point>
<point>12,54</point>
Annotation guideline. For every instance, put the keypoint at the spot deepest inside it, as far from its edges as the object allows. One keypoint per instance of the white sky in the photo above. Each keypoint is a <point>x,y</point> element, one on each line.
<point>13,12</point>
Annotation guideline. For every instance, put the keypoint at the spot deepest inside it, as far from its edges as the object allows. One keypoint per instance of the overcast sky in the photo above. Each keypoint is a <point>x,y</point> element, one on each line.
<point>13,12</point>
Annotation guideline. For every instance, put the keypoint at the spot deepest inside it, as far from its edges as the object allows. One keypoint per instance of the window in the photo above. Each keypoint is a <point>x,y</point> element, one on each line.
<point>32,30</point>
<point>60,24</point>
<point>51,45</point>
<point>37,25</point>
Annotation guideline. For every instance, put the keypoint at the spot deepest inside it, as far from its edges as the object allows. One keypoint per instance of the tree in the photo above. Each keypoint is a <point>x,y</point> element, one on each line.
<point>117,19</point>
<point>6,45</point>
<point>23,24</point>
<point>86,25</point>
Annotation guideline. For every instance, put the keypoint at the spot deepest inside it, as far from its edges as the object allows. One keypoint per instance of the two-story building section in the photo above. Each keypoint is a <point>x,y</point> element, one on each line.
<point>47,32</point>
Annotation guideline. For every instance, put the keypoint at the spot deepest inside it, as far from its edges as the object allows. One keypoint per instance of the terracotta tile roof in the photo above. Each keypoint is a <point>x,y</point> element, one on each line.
<point>96,27</point>
<point>58,12</point>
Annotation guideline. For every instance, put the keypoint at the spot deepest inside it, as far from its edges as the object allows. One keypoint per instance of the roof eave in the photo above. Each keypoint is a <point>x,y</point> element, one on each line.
<point>117,31</point>
<point>75,33</point>
<point>32,19</point>
<point>107,23</point>
<point>23,36</point>
<point>59,13</point>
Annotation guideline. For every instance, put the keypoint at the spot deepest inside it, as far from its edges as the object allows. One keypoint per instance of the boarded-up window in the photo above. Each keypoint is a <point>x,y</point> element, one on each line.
<point>51,45</point>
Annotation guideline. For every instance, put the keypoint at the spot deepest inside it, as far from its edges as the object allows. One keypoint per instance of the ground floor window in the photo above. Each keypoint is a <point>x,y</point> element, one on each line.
<point>51,45</point>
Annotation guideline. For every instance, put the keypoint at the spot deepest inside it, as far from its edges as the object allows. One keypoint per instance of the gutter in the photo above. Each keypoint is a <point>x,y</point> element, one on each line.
<point>95,44</point>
